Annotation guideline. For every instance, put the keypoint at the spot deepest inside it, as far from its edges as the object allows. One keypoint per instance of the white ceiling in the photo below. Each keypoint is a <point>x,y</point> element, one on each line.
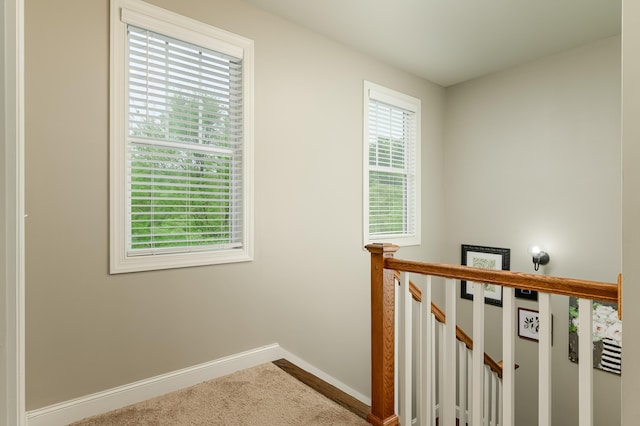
<point>450,41</point>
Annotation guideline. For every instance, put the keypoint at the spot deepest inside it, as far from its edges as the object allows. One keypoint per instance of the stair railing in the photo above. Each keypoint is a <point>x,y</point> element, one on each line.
<point>386,399</point>
<point>492,370</point>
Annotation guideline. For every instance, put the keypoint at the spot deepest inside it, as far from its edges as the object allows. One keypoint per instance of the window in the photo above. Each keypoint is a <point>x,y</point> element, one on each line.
<point>391,166</point>
<point>181,141</point>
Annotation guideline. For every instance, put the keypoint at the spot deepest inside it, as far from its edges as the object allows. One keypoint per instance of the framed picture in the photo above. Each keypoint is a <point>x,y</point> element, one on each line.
<point>485,258</point>
<point>528,324</point>
<point>607,335</point>
<point>526,294</point>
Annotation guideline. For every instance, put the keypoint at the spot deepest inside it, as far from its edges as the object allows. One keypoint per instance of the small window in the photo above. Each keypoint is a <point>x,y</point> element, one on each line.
<point>391,166</point>
<point>181,144</point>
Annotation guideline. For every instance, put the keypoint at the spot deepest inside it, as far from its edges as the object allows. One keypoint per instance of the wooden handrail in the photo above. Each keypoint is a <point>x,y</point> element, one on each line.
<point>594,290</point>
<point>441,317</point>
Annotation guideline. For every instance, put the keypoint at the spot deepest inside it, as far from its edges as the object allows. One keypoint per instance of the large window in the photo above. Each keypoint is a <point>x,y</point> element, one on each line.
<point>181,95</point>
<point>392,166</point>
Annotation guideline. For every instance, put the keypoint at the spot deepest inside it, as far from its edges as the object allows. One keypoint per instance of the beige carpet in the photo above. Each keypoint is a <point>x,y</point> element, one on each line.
<point>262,396</point>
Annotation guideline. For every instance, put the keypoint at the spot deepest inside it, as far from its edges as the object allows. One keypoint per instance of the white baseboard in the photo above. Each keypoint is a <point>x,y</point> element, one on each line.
<point>101,402</point>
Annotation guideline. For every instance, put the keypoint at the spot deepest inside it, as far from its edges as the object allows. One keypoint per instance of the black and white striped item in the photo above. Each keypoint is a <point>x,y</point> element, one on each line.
<point>611,356</point>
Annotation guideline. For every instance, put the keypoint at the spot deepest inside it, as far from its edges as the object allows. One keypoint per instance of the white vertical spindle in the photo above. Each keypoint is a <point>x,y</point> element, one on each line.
<point>441,367</point>
<point>478,353</point>
<point>434,412</point>
<point>462,382</point>
<point>585,366</point>
<point>487,381</point>
<point>508,357</point>
<point>544,360</point>
<point>449,390</point>
<point>469,385</point>
<point>404,356</point>
<point>494,397</point>
<point>426,384</point>
<point>418,354</point>
<point>499,421</point>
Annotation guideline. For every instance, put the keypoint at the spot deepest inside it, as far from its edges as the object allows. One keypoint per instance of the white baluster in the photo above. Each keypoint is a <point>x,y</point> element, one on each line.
<point>434,412</point>
<point>494,397</point>
<point>544,360</point>
<point>418,372</point>
<point>499,421</point>
<point>585,366</point>
<point>469,385</point>
<point>427,401</point>
<point>449,391</point>
<point>508,357</point>
<point>487,381</point>
<point>441,375</point>
<point>478,353</point>
<point>404,356</point>
<point>462,380</point>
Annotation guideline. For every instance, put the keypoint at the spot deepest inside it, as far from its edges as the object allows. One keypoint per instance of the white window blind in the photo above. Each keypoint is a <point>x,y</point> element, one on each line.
<point>184,146</point>
<point>391,146</point>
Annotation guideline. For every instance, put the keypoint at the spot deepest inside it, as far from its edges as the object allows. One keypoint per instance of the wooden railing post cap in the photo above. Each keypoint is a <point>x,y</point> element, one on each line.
<point>378,248</point>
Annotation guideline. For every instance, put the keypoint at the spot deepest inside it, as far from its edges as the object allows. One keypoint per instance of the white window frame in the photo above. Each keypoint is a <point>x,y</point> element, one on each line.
<point>402,101</point>
<point>153,18</point>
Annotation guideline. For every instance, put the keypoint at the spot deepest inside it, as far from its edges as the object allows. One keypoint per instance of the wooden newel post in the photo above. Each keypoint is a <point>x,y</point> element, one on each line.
<point>382,337</point>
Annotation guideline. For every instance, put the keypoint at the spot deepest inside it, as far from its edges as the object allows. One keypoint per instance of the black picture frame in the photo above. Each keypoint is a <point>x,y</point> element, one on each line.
<point>496,258</point>
<point>528,324</point>
<point>526,294</point>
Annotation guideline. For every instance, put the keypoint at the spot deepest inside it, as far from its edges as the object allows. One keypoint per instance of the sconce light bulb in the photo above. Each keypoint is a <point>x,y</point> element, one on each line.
<point>539,257</point>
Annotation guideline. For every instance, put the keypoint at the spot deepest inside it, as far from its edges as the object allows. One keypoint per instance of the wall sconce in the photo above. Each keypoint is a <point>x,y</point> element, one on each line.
<point>539,257</point>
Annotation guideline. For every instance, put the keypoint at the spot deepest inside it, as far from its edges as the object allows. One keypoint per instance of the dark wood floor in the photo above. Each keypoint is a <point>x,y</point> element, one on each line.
<point>329,391</point>
<point>324,388</point>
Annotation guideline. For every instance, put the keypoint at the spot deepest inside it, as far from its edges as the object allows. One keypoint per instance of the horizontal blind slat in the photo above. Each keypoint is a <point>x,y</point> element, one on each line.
<point>184,147</point>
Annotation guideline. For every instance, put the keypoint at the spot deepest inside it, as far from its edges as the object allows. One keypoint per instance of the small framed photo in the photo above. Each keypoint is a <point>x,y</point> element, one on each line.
<point>526,294</point>
<point>486,258</point>
<point>528,324</point>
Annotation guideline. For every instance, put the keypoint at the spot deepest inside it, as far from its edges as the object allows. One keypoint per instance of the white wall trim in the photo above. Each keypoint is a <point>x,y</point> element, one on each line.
<point>111,399</point>
<point>12,280</point>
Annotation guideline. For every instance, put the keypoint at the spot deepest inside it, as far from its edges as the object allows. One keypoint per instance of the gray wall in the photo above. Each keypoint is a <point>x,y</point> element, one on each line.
<point>308,287</point>
<point>631,209</point>
<point>533,156</point>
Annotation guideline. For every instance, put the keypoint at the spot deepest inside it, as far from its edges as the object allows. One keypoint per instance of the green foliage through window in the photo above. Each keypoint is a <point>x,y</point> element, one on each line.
<point>179,198</point>
<point>387,203</point>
